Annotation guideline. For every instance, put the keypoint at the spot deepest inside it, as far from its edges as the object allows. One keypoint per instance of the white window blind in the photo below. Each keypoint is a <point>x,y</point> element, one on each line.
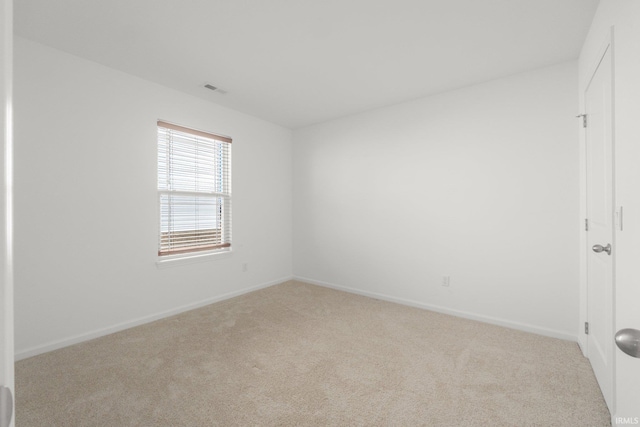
<point>194,190</point>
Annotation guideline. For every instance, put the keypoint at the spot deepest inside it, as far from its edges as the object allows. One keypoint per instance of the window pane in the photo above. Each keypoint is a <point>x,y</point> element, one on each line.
<point>191,163</point>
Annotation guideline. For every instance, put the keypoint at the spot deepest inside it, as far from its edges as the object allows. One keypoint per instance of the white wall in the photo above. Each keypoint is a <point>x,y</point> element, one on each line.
<point>86,214</point>
<point>624,17</point>
<point>480,184</point>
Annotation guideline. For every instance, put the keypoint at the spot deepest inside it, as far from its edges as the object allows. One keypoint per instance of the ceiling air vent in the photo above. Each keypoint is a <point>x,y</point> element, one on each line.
<point>215,89</point>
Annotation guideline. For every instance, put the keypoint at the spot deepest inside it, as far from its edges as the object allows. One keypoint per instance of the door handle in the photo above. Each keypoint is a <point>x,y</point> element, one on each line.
<point>628,340</point>
<point>600,248</point>
<point>6,406</point>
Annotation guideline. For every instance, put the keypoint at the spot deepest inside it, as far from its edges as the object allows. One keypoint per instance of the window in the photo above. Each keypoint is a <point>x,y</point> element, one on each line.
<point>194,190</point>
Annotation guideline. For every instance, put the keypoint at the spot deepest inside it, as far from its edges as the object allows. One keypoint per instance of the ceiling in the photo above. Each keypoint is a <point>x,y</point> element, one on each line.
<point>300,62</point>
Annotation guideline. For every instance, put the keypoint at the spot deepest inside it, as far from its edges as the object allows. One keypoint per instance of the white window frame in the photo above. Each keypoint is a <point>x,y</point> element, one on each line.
<point>167,254</point>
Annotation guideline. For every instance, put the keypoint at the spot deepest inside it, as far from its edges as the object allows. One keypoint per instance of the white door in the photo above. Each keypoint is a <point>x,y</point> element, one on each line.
<point>600,210</point>
<point>6,276</point>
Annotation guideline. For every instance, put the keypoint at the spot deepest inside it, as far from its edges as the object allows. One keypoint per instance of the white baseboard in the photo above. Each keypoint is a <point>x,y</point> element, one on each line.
<point>439,309</point>
<point>65,342</point>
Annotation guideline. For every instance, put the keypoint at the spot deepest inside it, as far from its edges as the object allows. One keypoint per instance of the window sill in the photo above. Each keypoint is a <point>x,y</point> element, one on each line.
<point>177,260</point>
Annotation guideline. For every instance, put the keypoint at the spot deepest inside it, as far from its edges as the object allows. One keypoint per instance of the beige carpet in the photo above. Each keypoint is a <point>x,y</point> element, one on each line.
<point>297,354</point>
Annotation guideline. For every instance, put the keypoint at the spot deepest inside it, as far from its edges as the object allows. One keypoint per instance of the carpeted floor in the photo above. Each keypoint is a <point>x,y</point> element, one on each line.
<point>297,354</point>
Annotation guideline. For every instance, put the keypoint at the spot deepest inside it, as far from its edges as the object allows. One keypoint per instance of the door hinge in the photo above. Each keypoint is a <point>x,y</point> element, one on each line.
<point>584,119</point>
<point>586,328</point>
<point>586,224</point>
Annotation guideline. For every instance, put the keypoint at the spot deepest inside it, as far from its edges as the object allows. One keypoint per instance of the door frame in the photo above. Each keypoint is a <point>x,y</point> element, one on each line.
<point>584,251</point>
<point>6,203</point>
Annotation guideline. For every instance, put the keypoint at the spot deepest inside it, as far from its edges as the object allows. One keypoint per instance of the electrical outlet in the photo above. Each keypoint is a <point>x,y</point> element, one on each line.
<point>446,280</point>
<point>245,267</point>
